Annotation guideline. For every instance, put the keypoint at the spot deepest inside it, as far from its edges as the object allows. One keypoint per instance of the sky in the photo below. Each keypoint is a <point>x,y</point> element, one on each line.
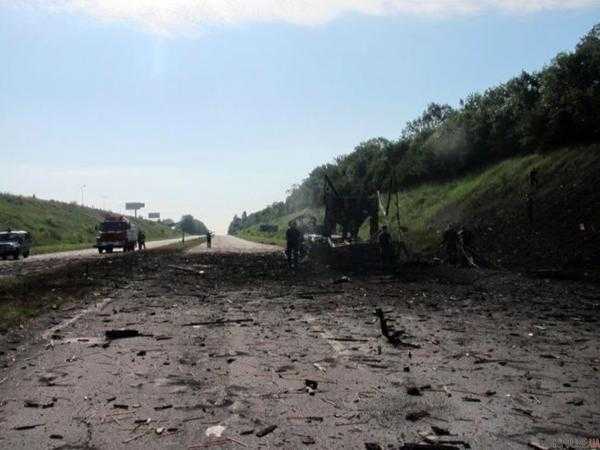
<point>213,107</point>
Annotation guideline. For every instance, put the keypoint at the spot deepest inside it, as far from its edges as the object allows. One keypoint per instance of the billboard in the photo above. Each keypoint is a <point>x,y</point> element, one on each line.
<point>133,206</point>
<point>154,215</point>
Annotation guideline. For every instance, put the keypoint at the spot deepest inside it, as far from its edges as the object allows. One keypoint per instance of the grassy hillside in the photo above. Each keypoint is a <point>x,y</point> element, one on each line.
<point>566,211</point>
<point>253,233</point>
<point>61,226</point>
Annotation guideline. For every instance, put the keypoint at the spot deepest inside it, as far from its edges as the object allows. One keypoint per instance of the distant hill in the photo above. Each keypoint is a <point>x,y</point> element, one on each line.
<point>59,226</point>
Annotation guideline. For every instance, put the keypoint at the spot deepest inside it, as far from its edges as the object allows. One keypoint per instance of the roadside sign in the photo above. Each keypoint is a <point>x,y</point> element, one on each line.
<point>134,206</point>
<point>154,215</point>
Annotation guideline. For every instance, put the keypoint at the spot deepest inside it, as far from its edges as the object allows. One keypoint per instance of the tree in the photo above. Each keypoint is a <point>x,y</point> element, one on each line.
<point>192,226</point>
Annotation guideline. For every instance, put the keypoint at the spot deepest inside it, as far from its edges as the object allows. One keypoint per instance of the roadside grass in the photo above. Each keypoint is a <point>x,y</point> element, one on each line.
<point>26,297</point>
<point>56,248</point>
<point>10,314</point>
<point>60,226</point>
<point>41,250</point>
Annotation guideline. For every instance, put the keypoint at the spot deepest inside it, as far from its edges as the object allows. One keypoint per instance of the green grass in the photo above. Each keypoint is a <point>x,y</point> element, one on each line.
<point>59,226</point>
<point>498,190</point>
<point>426,210</point>
<point>13,314</point>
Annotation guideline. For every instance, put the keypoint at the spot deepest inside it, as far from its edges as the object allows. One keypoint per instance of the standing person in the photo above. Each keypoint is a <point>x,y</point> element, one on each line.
<point>141,240</point>
<point>208,239</point>
<point>293,237</point>
<point>386,248</point>
<point>533,177</point>
<point>450,241</point>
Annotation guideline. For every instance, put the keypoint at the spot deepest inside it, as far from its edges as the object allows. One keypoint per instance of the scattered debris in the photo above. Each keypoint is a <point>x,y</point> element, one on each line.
<point>320,367</point>
<point>428,447</point>
<point>215,431</point>
<point>413,390</point>
<point>341,280</point>
<point>216,322</point>
<point>372,446</point>
<point>162,408</point>
<point>537,445</point>
<point>311,386</point>
<point>415,416</point>
<point>34,404</point>
<point>112,335</point>
<point>308,440</point>
<point>163,337</point>
<point>394,337</point>
<point>267,430</point>
<point>28,427</point>
<point>187,269</point>
<point>440,431</point>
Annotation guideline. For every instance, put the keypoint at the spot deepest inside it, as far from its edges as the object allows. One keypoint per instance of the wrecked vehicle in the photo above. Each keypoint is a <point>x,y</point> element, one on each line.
<point>116,232</point>
<point>15,244</point>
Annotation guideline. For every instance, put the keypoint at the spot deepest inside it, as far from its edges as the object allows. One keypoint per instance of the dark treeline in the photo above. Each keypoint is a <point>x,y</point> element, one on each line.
<point>189,224</point>
<point>558,106</point>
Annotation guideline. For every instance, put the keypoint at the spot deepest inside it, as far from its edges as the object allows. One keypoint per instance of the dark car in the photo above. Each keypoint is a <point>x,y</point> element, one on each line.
<point>15,244</point>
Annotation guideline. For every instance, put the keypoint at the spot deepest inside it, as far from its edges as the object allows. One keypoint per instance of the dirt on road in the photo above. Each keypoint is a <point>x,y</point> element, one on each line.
<point>233,350</point>
<point>49,261</point>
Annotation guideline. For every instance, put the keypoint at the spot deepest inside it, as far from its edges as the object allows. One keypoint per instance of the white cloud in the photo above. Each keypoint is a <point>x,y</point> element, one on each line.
<point>177,16</point>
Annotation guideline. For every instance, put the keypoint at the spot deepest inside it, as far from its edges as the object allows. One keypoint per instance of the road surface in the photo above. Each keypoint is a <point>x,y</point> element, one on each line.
<point>44,262</point>
<point>236,351</point>
<point>90,251</point>
<point>232,244</point>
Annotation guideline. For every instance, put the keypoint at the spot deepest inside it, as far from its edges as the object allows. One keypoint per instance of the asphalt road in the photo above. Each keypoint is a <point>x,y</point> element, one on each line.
<point>236,351</point>
<point>232,244</point>
<point>88,252</point>
<point>50,261</point>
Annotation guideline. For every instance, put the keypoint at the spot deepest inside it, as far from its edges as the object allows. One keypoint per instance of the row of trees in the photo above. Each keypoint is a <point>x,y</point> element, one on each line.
<point>533,112</point>
<point>190,225</point>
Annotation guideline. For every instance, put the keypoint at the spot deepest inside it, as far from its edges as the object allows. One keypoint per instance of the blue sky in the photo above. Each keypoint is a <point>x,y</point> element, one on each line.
<point>213,111</point>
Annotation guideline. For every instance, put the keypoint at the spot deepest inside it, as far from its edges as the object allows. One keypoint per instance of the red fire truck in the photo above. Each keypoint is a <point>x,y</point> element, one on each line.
<point>116,232</point>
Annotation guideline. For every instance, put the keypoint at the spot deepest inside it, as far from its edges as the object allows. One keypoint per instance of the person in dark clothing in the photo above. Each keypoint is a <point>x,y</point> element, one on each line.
<point>386,248</point>
<point>450,241</point>
<point>533,177</point>
<point>208,239</point>
<point>529,198</point>
<point>294,239</point>
<point>141,240</point>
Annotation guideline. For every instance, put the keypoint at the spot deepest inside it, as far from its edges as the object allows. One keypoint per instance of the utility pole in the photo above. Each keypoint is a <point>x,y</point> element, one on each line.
<point>82,189</point>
